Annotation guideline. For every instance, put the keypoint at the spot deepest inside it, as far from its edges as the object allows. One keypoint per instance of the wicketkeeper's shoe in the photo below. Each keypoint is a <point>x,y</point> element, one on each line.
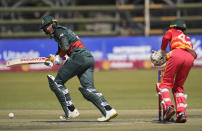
<point>182,118</point>
<point>109,115</point>
<point>169,113</point>
<point>72,114</point>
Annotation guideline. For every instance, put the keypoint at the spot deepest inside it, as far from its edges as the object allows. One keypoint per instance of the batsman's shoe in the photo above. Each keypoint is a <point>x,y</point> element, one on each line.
<point>169,113</point>
<point>109,115</point>
<point>72,114</point>
<point>182,118</point>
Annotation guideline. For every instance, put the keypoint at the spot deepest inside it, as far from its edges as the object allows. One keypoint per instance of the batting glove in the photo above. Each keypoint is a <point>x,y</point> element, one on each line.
<point>58,60</point>
<point>48,63</point>
<point>55,59</point>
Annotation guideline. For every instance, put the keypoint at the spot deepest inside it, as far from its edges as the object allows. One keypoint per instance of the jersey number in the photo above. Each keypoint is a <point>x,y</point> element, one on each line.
<point>183,38</point>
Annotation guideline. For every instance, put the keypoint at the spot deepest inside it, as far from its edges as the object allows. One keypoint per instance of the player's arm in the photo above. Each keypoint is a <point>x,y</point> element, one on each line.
<point>64,41</point>
<point>165,40</point>
<point>62,51</point>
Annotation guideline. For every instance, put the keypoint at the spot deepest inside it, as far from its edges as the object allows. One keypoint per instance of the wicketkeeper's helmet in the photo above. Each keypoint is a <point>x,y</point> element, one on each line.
<point>178,24</point>
<point>46,20</point>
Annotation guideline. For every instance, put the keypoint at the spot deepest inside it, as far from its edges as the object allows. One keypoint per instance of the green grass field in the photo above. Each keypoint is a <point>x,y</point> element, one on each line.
<point>131,92</point>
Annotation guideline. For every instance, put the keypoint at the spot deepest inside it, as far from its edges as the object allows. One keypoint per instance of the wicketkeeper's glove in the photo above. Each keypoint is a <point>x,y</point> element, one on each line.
<point>158,57</point>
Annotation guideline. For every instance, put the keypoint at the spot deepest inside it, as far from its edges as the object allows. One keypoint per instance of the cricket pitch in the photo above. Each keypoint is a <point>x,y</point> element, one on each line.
<point>48,120</point>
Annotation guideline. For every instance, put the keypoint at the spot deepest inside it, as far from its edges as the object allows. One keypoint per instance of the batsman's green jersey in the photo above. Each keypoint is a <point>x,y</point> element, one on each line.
<point>81,62</point>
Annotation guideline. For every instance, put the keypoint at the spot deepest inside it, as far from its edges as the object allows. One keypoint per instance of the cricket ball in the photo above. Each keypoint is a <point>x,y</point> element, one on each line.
<point>11,115</point>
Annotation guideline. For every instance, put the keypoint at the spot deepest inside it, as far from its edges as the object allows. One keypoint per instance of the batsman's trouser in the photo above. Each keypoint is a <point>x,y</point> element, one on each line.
<point>82,65</point>
<point>176,71</point>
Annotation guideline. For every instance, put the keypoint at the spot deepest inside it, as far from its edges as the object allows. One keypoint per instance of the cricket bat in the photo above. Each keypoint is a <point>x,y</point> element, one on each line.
<point>24,61</point>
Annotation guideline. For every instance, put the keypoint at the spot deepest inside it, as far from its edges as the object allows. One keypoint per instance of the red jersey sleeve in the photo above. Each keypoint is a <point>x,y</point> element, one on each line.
<point>166,38</point>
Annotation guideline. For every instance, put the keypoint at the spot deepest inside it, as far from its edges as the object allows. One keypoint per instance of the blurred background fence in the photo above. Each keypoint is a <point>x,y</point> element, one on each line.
<point>22,18</point>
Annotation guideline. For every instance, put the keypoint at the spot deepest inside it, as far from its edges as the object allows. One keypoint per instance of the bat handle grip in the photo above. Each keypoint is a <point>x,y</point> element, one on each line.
<point>50,59</point>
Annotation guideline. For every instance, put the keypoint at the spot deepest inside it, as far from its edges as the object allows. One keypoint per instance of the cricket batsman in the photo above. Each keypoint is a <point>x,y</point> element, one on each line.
<point>179,61</point>
<point>80,64</point>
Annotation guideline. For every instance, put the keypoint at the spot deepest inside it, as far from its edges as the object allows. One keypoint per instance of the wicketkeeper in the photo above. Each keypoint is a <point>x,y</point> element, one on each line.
<point>179,61</point>
<point>80,64</point>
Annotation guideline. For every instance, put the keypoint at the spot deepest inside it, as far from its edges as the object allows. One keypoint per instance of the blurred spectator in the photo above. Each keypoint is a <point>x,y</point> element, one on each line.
<point>125,29</point>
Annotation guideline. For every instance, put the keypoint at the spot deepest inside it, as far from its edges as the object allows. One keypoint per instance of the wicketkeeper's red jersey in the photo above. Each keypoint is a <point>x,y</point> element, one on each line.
<point>177,39</point>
